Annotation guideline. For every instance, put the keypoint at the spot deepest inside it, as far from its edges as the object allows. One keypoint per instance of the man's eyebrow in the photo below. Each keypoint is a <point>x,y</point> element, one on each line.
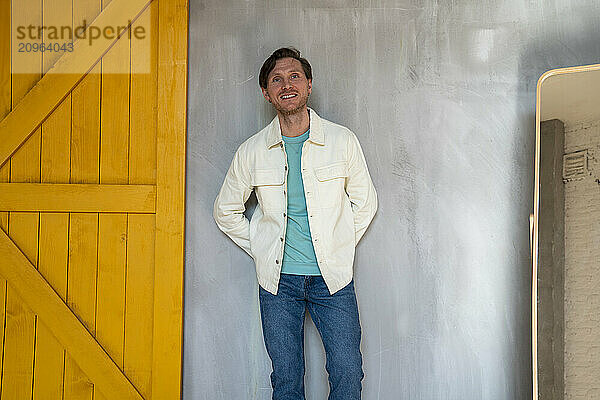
<point>279,73</point>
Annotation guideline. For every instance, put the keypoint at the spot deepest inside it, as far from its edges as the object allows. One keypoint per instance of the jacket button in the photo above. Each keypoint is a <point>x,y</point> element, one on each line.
<point>285,168</point>
<point>276,261</point>
<point>281,239</point>
<point>284,214</point>
<point>280,144</point>
<point>284,192</point>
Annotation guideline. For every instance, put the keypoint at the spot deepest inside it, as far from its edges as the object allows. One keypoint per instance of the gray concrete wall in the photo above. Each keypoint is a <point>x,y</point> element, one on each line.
<point>441,95</point>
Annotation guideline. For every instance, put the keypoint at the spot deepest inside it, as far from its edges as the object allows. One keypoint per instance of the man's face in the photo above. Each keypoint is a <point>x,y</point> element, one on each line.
<point>287,86</point>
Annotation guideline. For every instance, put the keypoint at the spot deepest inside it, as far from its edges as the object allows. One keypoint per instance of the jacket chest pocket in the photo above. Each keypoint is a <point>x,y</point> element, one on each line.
<point>268,185</point>
<point>330,183</point>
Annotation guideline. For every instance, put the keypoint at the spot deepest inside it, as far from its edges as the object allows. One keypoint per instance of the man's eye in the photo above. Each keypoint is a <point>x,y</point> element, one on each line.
<point>295,76</point>
<point>275,79</point>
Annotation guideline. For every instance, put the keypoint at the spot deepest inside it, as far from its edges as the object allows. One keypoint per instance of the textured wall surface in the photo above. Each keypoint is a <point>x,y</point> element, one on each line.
<point>582,277</point>
<point>441,95</point>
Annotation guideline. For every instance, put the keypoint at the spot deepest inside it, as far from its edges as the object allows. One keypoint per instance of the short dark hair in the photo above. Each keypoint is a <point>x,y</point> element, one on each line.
<point>283,52</point>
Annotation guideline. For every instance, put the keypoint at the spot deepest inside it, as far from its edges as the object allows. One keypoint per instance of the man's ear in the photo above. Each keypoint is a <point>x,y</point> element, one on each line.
<point>266,94</point>
<point>309,86</point>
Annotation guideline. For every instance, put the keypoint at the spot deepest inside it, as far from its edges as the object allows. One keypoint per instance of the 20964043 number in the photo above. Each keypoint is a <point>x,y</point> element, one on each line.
<point>43,47</point>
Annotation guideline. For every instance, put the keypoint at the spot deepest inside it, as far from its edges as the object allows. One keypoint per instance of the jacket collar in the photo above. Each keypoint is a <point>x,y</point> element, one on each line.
<point>315,135</point>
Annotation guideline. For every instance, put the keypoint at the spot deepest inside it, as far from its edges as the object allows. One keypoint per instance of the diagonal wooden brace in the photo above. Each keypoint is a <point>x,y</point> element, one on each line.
<point>39,296</point>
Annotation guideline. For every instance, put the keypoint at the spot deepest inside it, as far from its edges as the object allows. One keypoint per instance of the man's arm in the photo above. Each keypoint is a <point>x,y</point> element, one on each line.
<point>359,188</point>
<point>229,205</point>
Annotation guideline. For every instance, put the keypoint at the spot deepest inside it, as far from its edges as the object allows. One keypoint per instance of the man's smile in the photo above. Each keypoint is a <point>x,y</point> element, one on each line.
<point>288,96</point>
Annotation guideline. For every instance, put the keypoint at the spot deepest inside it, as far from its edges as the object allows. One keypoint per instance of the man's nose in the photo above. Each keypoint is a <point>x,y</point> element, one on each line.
<point>287,83</point>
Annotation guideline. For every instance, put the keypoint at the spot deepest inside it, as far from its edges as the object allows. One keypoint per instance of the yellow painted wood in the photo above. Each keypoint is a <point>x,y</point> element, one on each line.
<point>18,347</point>
<point>142,137</point>
<point>111,278</point>
<point>110,313</point>
<point>140,302</point>
<point>20,321</point>
<point>5,104</point>
<point>56,13</point>
<point>85,10</point>
<point>61,79</point>
<point>170,208</point>
<point>83,254</point>
<point>114,123</point>
<point>77,197</point>
<point>26,66</point>
<point>49,364</point>
<point>5,58</point>
<point>81,294</point>
<point>53,246</point>
<point>83,239</point>
<point>85,161</point>
<point>77,384</point>
<point>85,134</point>
<point>2,313</point>
<point>44,301</point>
<point>140,236</point>
<point>54,227</point>
<point>112,228</point>
<point>17,373</point>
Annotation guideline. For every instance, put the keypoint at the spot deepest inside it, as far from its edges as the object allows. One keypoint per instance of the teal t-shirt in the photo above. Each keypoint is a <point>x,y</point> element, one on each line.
<point>298,254</point>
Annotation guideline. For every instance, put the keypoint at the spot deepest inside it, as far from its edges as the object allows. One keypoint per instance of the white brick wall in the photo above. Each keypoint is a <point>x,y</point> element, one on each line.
<point>582,269</point>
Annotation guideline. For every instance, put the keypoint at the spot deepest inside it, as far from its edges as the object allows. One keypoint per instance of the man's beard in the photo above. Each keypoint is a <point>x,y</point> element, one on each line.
<point>294,111</point>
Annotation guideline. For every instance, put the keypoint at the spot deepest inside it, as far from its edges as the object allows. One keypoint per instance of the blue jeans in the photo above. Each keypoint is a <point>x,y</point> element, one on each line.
<point>336,319</point>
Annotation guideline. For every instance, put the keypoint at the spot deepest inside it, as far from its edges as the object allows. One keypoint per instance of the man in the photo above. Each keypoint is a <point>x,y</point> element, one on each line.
<point>315,201</point>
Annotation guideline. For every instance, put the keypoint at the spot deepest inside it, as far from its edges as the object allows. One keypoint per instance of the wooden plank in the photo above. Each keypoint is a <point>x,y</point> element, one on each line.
<point>114,122</point>
<point>57,197</point>
<point>5,58</point>
<point>81,294</point>
<point>85,134</point>
<point>26,65</point>
<point>54,246</point>
<point>140,236</point>
<point>62,78</point>
<point>55,169</point>
<point>112,228</point>
<point>143,104</point>
<point>83,233</point>
<point>49,364</point>
<point>44,301</point>
<point>139,301</point>
<point>5,104</point>
<point>83,254</point>
<point>18,347</point>
<point>5,93</point>
<point>170,200</point>
<point>77,384</point>
<point>19,344</point>
<point>3,288</point>
<point>53,237</point>
<point>110,314</point>
<point>57,13</point>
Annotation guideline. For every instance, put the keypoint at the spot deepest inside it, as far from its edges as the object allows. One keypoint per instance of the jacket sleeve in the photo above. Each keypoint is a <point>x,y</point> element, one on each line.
<point>359,188</point>
<point>230,203</point>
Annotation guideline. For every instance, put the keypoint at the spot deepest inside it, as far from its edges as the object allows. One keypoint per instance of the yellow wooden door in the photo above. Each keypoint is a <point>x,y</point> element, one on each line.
<point>92,175</point>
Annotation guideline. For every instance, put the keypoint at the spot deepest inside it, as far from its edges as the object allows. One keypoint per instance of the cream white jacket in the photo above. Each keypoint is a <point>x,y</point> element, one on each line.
<point>340,199</point>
